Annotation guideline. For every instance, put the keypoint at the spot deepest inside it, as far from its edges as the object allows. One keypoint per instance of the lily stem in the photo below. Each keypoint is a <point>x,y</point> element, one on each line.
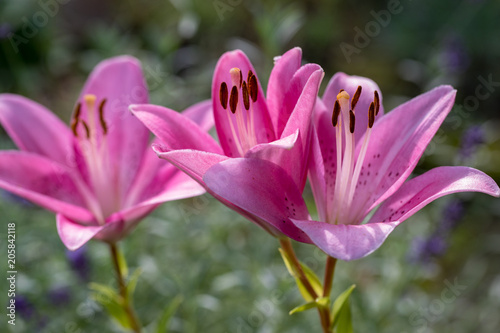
<point>286,245</point>
<point>327,285</point>
<point>127,306</point>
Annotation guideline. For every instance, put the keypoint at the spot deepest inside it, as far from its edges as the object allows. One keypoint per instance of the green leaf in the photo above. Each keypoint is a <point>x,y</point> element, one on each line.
<point>122,263</point>
<point>310,275</point>
<point>111,301</point>
<point>304,307</point>
<point>313,279</point>
<point>341,311</point>
<point>318,303</point>
<point>132,283</point>
<point>168,313</point>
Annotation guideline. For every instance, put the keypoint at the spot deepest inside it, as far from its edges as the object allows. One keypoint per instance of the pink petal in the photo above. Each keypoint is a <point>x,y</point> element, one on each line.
<point>350,84</point>
<point>121,82</point>
<point>283,71</point>
<point>74,235</point>
<point>202,114</point>
<point>44,182</point>
<point>262,189</point>
<point>35,129</point>
<point>397,142</point>
<point>174,130</point>
<point>346,242</point>
<point>193,162</point>
<point>419,191</point>
<point>300,118</point>
<point>265,132</point>
<point>318,178</point>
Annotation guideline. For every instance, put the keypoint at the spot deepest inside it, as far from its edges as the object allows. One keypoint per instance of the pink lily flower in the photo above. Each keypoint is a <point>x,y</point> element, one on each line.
<point>260,166</point>
<point>98,174</point>
<point>362,158</point>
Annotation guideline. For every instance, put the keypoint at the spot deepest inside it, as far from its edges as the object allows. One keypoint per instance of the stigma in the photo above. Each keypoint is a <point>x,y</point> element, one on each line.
<point>348,164</point>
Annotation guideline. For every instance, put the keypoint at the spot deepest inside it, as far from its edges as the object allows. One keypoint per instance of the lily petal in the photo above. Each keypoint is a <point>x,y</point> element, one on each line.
<point>350,84</point>
<point>229,60</point>
<point>261,188</point>
<point>121,82</point>
<point>202,114</point>
<point>398,141</point>
<point>174,130</point>
<point>35,129</point>
<point>419,191</point>
<point>74,235</point>
<point>283,71</point>
<point>346,242</point>
<point>44,182</point>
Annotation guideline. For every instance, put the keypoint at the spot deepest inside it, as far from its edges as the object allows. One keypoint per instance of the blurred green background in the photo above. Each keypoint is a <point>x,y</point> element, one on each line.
<point>227,270</point>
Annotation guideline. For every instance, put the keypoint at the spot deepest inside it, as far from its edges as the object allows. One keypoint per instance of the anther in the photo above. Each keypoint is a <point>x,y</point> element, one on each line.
<point>233,99</point>
<point>336,112</point>
<point>76,117</point>
<point>376,99</point>
<point>355,98</point>
<point>246,98</point>
<point>101,117</point>
<point>253,89</point>
<point>371,115</point>
<point>250,74</point>
<point>341,90</point>
<point>241,79</point>
<point>87,131</point>
<point>352,121</point>
<point>223,95</point>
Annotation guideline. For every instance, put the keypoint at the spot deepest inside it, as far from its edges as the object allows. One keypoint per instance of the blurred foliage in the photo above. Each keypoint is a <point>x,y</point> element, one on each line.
<point>227,271</point>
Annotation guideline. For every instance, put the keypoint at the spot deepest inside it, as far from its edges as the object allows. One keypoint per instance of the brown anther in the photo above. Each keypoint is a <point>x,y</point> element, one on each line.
<point>76,117</point>
<point>250,74</point>
<point>223,95</point>
<point>233,99</point>
<point>336,112</point>
<point>253,88</point>
<point>355,98</point>
<point>241,79</point>
<point>341,90</point>
<point>352,121</point>
<point>101,117</point>
<point>376,99</point>
<point>87,131</point>
<point>246,97</point>
<point>371,115</point>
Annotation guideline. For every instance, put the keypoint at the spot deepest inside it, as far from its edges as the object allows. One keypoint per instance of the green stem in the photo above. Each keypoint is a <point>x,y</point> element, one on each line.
<point>127,306</point>
<point>286,245</point>
<point>327,286</point>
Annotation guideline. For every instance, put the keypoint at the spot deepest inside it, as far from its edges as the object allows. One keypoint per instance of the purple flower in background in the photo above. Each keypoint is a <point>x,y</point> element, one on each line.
<point>454,57</point>
<point>24,307</point>
<point>5,30</point>
<point>79,262</point>
<point>471,139</point>
<point>60,296</point>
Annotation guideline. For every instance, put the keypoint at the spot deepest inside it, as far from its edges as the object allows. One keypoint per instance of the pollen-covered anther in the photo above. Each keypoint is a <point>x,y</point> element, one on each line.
<point>86,127</point>
<point>76,118</point>
<point>246,97</point>
<point>233,99</point>
<point>101,117</point>
<point>352,121</point>
<point>223,95</point>
<point>355,98</point>
<point>253,87</point>
<point>336,112</point>
<point>376,100</point>
<point>371,115</point>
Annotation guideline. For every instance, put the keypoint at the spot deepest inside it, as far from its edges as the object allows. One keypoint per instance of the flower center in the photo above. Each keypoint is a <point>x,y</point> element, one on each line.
<point>243,95</point>
<point>348,166</point>
<point>92,138</point>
